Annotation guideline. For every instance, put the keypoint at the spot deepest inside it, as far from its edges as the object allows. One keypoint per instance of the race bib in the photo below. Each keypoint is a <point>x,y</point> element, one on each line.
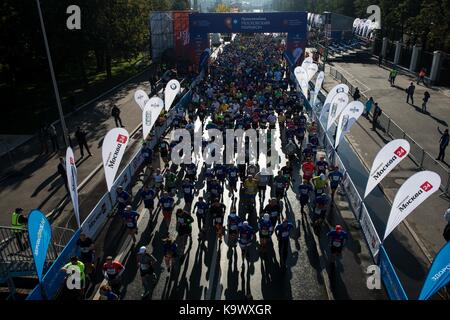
<point>130,224</point>
<point>111,271</point>
<point>233,227</point>
<point>336,178</point>
<point>285,234</point>
<point>336,243</point>
<point>144,267</point>
<point>200,211</point>
<point>85,249</point>
<point>280,185</point>
<point>265,232</point>
<point>167,205</point>
<point>187,190</point>
<point>233,174</point>
<point>146,154</point>
<point>274,213</point>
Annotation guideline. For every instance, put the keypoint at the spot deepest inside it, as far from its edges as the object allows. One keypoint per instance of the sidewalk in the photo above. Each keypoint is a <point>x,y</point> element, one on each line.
<point>37,184</point>
<point>373,82</point>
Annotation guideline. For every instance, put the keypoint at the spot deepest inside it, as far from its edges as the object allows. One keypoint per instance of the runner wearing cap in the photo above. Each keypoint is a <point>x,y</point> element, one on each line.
<point>130,218</point>
<point>338,238</point>
<point>335,177</point>
<point>146,263</point>
<point>265,231</point>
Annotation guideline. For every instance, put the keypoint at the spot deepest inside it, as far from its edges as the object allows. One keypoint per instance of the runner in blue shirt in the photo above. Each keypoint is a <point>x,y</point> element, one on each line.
<point>191,171</point>
<point>220,172</point>
<point>215,189</point>
<point>246,234</point>
<point>130,218</point>
<point>282,231</point>
<point>233,224</point>
<point>147,154</point>
<point>123,198</point>
<point>321,166</point>
<point>148,196</point>
<point>338,239</point>
<point>167,202</point>
<point>232,175</point>
<point>201,211</point>
<point>304,191</point>
<point>265,231</point>
<point>188,191</point>
<point>335,178</point>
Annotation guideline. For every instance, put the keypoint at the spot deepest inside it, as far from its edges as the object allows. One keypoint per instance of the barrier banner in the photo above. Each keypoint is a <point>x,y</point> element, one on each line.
<point>40,234</point>
<point>411,194</point>
<point>347,119</point>
<point>439,274</point>
<point>141,98</point>
<point>385,161</point>
<point>307,62</point>
<point>71,172</point>
<point>330,96</point>
<point>390,280</point>
<point>97,217</point>
<point>173,88</point>
<point>373,240</point>
<point>150,114</point>
<point>337,105</point>
<point>302,77</point>
<point>113,148</point>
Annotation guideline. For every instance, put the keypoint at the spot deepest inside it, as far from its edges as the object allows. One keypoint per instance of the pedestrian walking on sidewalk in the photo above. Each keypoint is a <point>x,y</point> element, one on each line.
<point>115,112</point>
<point>410,93</point>
<point>392,76</point>
<point>422,75</point>
<point>80,135</point>
<point>356,94</point>
<point>376,113</point>
<point>62,172</point>
<point>19,223</point>
<point>443,143</point>
<point>369,105</point>
<point>426,97</point>
<point>53,137</point>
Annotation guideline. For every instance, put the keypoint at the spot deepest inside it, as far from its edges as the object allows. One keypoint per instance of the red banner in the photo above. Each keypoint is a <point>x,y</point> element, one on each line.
<point>181,34</point>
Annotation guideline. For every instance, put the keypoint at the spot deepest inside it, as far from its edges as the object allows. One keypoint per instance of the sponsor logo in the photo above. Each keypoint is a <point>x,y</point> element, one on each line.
<point>411,199</point>
<point>121,138</point>
<point>39,237</point>
<point>354,110</point>
<point>400,152</point>
<point>426,186</point>
<point>380,172</point>
<point>173,86</point>
<point>148,118</point>
<point>441,272</point>
<point>71,161</point>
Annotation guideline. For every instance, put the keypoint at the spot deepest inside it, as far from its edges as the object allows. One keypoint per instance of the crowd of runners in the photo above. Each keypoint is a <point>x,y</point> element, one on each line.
<point>248,86</point>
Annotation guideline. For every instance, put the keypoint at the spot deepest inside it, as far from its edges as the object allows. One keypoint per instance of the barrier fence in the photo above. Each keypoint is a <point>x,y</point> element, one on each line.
<point>418,155</point>
<point>389,276</point>
<point>97,218</point>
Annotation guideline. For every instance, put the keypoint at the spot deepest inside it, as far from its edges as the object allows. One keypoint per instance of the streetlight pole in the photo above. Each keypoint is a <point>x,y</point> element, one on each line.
<point>52,72</point>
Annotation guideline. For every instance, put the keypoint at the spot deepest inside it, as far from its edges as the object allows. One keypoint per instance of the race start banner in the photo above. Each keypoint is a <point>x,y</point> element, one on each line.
<point>71,172</point>
<point>113,148</point>
<point>40,234</point>
<point>385,161</point>
<point>439,274</point>
<point>411,194</point>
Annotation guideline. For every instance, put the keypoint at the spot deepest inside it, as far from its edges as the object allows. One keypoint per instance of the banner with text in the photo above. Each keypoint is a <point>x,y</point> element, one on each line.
<point>385,161</point>
<point>113,148</point>
<point>71,171</point>
<point>340,88</point>
<point>411,194</point>
<point>347,119</point>
<point>40,234</point>
<point>439,274</point>
<point>337,105</point>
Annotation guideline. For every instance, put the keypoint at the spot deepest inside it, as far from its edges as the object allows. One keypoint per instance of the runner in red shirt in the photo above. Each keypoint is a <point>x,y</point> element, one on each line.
<point>112,270</point>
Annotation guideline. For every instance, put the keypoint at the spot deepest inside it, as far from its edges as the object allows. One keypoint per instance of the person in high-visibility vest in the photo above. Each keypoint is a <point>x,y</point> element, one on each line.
<point>19,224</point>
<point>75,266</point>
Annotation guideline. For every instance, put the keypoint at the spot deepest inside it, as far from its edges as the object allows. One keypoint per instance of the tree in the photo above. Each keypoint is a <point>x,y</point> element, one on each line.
<point>222,8</point>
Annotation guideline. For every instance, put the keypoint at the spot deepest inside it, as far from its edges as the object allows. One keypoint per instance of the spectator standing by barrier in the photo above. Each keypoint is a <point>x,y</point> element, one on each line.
<point>115,112</point>
<point>53,137</point>
<point>369,105</point>
<point>376,113</point>
<point>426,97</point>
<point>443,143</point>
<point>410,93</point>
<point>19,224</point>
<point>43,139</point>
<point>356,94</point>
<point>63,173</point>
<point>80,135</point>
